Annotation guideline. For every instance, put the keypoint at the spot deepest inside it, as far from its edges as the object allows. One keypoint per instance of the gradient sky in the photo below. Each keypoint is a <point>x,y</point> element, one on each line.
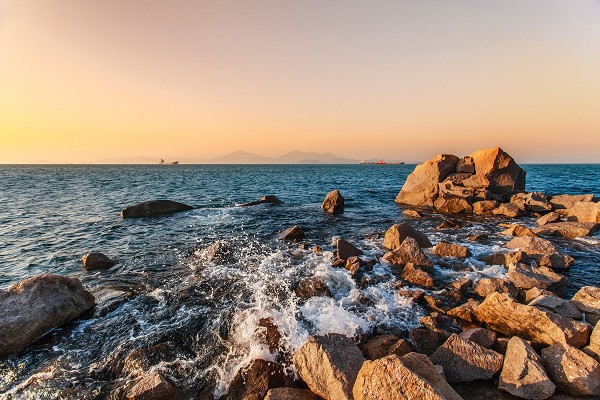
<point>82,80</point>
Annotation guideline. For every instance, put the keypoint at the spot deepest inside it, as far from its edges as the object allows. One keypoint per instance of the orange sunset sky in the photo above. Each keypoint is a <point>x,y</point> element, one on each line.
<point>84,80</point>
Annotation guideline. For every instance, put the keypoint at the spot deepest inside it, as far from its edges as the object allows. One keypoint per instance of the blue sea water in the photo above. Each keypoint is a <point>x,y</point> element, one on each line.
<point>52,215</point>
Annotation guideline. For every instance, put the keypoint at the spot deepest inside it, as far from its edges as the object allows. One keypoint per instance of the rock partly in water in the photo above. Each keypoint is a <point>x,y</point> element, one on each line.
<point>395,236</point>
<point>446,249</point>
<point>510,210</point>
<point>505,259</point>
<point>409,252</point>
<point>415,275</point>
<point>254,381</point>
<point>410,377</point>
<point>568,229</point>
<point>32,307</point>
<point>534,246</point>
<point>517,230</point>
<point>294,233</point>
<point>329,365</point>
<point>345,250</point>
<point>500,170</point>
<point>154,386</point>
<point>314,286</point>
<point>411,213</point>
<point>572,370</point>
<point>452,205</point>
<point>96,261</point>
<point>141,360</point>
<point>466,361</point>
<point>587,300</point>
<point>504,315</point>
<point>484,207</point>
<point>333,203</point>
<point>218,253</point>
<point>268,199</point>
<point>523,374</point>
<point>556,261</point>
<point>154,207</point>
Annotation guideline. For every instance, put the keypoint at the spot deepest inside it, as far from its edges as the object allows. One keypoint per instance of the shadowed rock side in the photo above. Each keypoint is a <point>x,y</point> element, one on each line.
<point>154,207</point>
<point>333,203</point>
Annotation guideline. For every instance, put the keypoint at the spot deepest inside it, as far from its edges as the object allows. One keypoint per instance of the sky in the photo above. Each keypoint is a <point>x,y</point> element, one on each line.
<point>83,80</point>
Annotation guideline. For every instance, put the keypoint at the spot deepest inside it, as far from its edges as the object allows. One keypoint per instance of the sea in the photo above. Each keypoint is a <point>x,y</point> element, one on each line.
<point>51,215</point>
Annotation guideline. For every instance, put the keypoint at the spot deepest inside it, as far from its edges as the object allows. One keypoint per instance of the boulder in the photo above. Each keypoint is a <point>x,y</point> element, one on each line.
<point>96,261</point>
<point>154,207</point>
<point>534,293</point>
<point>510,210</point>
<point>329,365</point>
<point>568,229</point>
<point>587,300</point>
<point>584,212</point>
<point>504,315</point>
<point>294,233</point>
<point>286,393</point>
<point>415,275</point>
<point>384,345</point>
<point>465,165</point>
<point>466,361</point>
<point>268,199</point>
<point>506,259</point>
<point>154,386</point>
<point>481,336</point>
<point>462,284</point>
<point>527,277</point>
<point>517,230</point>
<point>446,249</point>
<point>593,349</point>
<point>534,246</point>
<point>537,202</point>
<point>568,200</point>
<point>333,203</point>
<point>466,311</point>
<point>448,224</point>
<point>32,307</point>
<point>484,207</point>
<point>557,305</point>
<point>573,371</point>
<point>425,341</point>
<point>453,205</point>
<point>523,374</point>
<point>422,185</point>
<point>548,219</point>
<point>345,250</point>
<point>411,213</point>
<point>556,261</point>
<point>486,286</point>
<point>410,377</point>
<point>314,286</point>
<point>440,323</point>
<point>254,381</point>
<point>409,252</point>
<point>499,169</point>
<point>397,233</point>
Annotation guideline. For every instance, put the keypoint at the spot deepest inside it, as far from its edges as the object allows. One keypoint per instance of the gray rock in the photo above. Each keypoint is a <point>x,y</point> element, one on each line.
<point>154,207</point>
<point>96,261</point>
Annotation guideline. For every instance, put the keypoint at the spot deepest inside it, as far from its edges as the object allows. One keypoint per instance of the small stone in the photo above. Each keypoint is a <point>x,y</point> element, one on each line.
<point>411,213</point>
<point>294,233</point>
<point>518,230</point>
<point>254,381</point>
<point>448,224</point>
<point>96,261</point>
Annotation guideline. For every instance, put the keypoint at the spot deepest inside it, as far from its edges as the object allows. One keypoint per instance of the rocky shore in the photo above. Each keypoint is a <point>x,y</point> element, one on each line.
<point>499,338</point>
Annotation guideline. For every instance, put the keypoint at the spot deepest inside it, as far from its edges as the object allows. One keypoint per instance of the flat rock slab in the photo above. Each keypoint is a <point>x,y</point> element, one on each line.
<point>533,246</point>
<point>568,229</point>
<point>527,277</point>
<point>154,207</point>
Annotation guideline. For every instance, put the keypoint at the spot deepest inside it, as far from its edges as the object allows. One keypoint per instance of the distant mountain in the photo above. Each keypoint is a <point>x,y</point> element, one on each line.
<point>303,157</point>
<point>128,160</point>
<point>241,157</point>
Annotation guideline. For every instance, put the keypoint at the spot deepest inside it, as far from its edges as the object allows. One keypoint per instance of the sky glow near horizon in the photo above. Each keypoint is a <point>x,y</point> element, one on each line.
<point>84,80</point>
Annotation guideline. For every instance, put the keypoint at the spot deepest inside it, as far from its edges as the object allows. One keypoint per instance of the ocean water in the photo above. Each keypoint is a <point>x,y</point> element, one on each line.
<point>52,215</point>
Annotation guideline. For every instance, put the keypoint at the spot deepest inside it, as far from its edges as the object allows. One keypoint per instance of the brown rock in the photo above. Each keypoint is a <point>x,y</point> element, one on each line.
<point>448,224</point>
<point>572,370</point>
<point>453,205</point>
<point>446,249</point>
<point>548,219</point>
<point>584,212</point>
<point>462,284</point>
<point>537,202</point>
<point>141,360</point>
<point>422,185</point>
<point>31,307</point>
<point>409,252</point>
<point>383,345</point>
<point>396,235</point>
<point>479,237</point>
<point>557,305</point>
<point>504,315</point>
<point>465,311</point>
<point>286,393</point>
<point>593,349</point>
<point>510,210</point>
<point>484,207</point>
<point>254,381</point>
<point>526,277</point>
<point>329,365</point>
<point>476,182</point>
<point>466,361</point>
<point>154,207</point>
<point>500,169</point>
<point>353,264</point>
<point>345,250</point>
<point>333,203</point>
<point>568,229</point>
<point>533,293</point>
<point>293,234</point>
<point>506,259</point>
<point>518,230</point>
<point>96,261</point>
<point>534,246</point>
<point>449,190</point>
<point>440,323</point>
<point>313,287</point>
<point>218,253</point>
<point>415,275</point>
<point>587,300</point>
<point>270,333</point>
<point>568,200</point>
<point>481,336</point>
<point>458,177</point>
<point>154,387</point>
<point>523,374</point>
<point>556,261</point>
<point>410,377</point>
<point>487,286</point>
<point>466,165</point>
<point>411,213</point>
<point>425,341</point>
<point>416,295</point>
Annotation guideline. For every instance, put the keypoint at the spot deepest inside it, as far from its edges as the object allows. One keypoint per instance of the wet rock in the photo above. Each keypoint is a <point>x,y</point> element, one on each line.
<point>462,284</point>
<point>411,213</point>
<point>141,360</point>
<point>285,393</point>
<point>422,185</point>
<point>448,224</point>
<point>294,233</point>
<point>270,333</point>
<point>395,236</point>
<point>416,295</point>
<point>518,230</point>
<point>568,200</point>
<point>452,205</point>
<point>573,371</point>
<point>154,386</point>
<point>345,250</point>
<point>466,311</point>
<point>333,203</point>
<point>426,341</point>
<point>34,306</point>
<point>383,345</point>
<point>466,361</point>
<point>417,276</point>
<point>523,374</point>
<point>526,277</point>
<point>443,300</point>
<point>481,336</point>
<point>510,210</point>
<point>412,376</point>
<point>504,315</point>
<point>218,253</point>
<point>108,299</point>
<point>154,207</point>
<point>446,249</point>
<point>268,199</point>
<point>409,252</point>
<point>329,365</point>
<point>487,286</point>
<point>548,219</point>
<point>254,381</point>
<point>499,169</point>
<point>584,212</point>
<point>534,246</point>
<point>313,287</point>
<point>479,237</point>
<point>587,300</point>
<point>484,207</point>
<point>96,261</point>
<point>557,305</point>
<point>556,261</point>
<point>568,229</point>
<point>506,259</point>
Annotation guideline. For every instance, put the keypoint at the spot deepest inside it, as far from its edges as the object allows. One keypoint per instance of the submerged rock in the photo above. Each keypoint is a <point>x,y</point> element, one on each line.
<point>140,360</point>
<point>395,236</point>
<point>572,370</point>
<point>154,207</point>
<point>333,203</point>
<point>96,261</point>
<point>268,199</point>
<point>32,307</point>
